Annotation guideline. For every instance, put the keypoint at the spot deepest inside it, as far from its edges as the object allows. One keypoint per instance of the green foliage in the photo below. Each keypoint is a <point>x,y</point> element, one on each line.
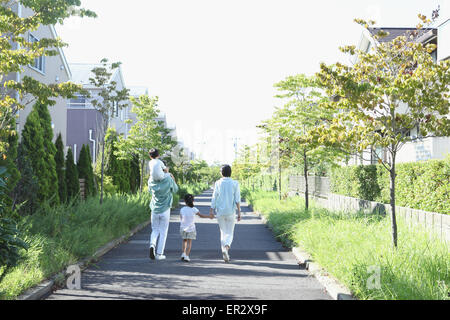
<point>135,174</point>
<point>145,134</point>
<point>8,160</point>
<point>41,151</point>
<point>25,194</point>
<point>118,169</point>
<point>370,95</point>
<point>72,180</point>
<point>85,171</point>
<point>356,181</point>
<point>50,152</point>
<point>14,33</point>
<point>420,185</point>
<point>65,234</point>
<point>10,242</point>
<point>109,99</point>
<point>60,169</point>
<point>347,244</point>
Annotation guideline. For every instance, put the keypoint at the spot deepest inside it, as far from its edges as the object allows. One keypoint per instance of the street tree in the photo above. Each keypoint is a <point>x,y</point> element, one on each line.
<point>387,92</point>
<point>303,111</point>
<point>143,135</point>
<point>108,99</point>
<point>17,51</point>
<point>60,169</point>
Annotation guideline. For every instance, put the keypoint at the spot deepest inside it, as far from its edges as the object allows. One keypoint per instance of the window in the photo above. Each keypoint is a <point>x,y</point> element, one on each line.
<point>78,102</point>
<point>39,63</point>
<point>434,55</point>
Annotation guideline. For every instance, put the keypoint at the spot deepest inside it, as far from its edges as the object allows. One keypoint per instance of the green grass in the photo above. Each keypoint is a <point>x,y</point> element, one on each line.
<point>349,245</point>
<point>64,235</point>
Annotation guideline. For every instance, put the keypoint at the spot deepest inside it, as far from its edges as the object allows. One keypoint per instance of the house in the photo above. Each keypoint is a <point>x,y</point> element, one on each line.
<point>84,122</point>
<point>421,148</point>
<point>47,70</point>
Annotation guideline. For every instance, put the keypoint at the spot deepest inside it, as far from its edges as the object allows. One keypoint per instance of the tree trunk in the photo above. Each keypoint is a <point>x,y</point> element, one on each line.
<point>305,172</point>
<point>392,191</point>
<point>142,174</point>
<point>279,180</point>
<point>102,171</point>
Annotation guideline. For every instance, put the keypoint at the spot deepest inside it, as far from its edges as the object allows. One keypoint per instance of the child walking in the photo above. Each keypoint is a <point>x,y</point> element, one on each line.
<point>187,225</point>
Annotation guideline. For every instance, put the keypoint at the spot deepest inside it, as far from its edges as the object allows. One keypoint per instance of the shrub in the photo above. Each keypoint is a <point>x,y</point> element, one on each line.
<point>60,167</point>
<point>423,185</point>
<point>73,184</point>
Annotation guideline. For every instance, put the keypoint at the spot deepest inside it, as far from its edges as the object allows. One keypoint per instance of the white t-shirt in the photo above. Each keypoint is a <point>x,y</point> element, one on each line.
<point>156,170</point>
<point>187,215</point>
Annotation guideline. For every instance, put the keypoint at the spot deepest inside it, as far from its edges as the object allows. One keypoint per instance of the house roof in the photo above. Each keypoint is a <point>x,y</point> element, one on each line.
<point>81,72</point>
<point>397,32</point>
<point>61,53</point>
<point>138,91</point>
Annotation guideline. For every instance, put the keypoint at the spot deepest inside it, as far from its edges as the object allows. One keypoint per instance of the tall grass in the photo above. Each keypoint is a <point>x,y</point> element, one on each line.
<point>63,235</point>
<point>354,247</point>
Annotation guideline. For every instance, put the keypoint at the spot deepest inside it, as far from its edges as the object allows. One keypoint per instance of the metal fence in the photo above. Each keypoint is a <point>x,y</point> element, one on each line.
<point>317,186</point>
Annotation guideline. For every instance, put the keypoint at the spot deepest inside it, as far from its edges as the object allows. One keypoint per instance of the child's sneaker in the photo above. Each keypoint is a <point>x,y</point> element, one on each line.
<point>183,256</point>
<point>186,258</point>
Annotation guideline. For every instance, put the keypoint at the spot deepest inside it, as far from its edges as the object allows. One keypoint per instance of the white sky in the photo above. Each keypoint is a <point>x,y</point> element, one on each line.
<point>213,63</point>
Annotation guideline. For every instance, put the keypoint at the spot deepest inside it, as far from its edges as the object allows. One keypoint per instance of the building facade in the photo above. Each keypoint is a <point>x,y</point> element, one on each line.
<point>47,70</point>
<point>84,122</point>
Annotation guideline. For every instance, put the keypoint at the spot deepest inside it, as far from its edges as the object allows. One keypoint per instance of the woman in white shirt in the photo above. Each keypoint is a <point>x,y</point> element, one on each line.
<point>187,225</point>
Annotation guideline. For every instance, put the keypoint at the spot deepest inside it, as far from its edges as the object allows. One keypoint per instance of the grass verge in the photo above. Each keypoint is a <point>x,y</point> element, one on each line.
<point>356,248</point>
<point>64,235</point>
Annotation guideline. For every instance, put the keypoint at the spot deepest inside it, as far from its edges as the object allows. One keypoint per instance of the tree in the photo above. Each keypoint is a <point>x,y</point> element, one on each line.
<point>144,134</point>
<point>25,193</point>
<point>135,174</point>
<point>8,161</point>
<point>116,168</point>
<point>18,51</point>
<point>72,181</point>
<point>10,242</point>
<point>290,124</point>
<point>109,99</point>
<point>60,169</point>
<point>388,91</point>
<point>33,139</point>
<point>49,151</point>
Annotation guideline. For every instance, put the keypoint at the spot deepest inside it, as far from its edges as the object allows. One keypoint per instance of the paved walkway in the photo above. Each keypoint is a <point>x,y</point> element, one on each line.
<point>260,268</point>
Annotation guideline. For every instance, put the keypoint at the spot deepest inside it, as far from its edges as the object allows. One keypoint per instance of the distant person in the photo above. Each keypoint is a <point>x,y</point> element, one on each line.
<point>162,197</point>
<point>187,225</point>
<point>158,171</point>
<point>225,200</point>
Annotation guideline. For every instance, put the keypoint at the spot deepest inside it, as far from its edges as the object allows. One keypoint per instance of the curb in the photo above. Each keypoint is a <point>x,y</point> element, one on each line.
<point>335,289</point>
<point>45,288</point>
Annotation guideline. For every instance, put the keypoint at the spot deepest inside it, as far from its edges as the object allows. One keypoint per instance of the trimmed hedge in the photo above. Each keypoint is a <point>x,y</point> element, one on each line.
<point>423,185</point>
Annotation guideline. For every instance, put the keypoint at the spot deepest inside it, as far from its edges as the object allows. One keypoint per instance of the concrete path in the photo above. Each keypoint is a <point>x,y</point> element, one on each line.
<point>260,268</point>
